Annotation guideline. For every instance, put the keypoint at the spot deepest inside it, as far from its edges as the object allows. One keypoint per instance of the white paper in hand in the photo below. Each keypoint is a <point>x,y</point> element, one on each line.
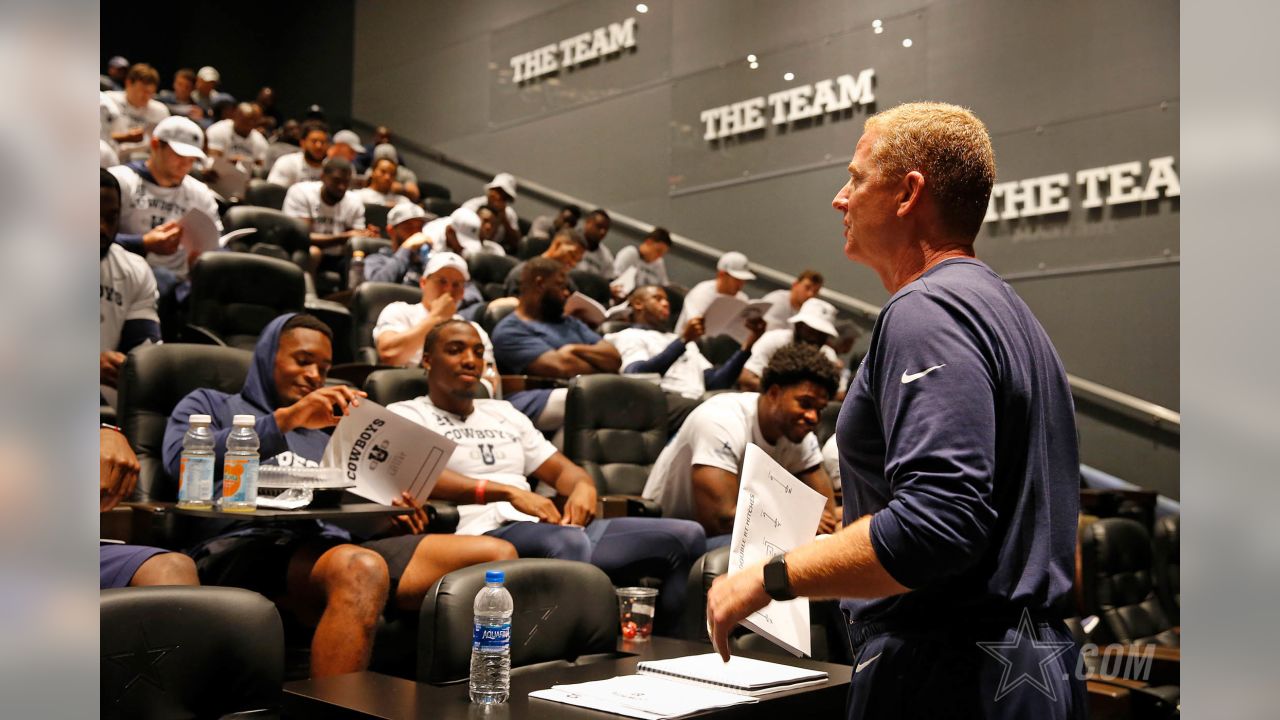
<point>625,283</point>
<point>776,513</point>
<point>386,454</point>
<point>232,181</point>
<point>199,233</point>
<point>727,315</point>
<point>585,308</point>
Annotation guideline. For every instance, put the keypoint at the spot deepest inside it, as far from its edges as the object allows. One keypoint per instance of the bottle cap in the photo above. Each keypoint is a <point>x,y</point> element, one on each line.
<point>494,576</point>
<point>199,419</point>
<point>243,421</point>
<point>357,254</point>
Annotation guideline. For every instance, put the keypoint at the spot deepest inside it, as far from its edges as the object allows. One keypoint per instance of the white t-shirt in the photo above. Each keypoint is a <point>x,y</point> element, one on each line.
<point>144,205</point>
<point>108,111</point>
<point>222,136</point>
<point>831,460</point>
<point>434,232</point>
<point>684,377</point>
<point>303,201</point>
<point>127,292</point>
<point>699,299</point>
<point>401,316</point>
<point>496,442</point>
<point>292,168</point>
<point>513,219</point>
<point>598,261</point>
<point>107,155</point>
<point>716,434</point>
<point>769,343</point>
<point>647,273</point>
<point>370,196</point>
<point>130,117</point>
<point>777,316</point>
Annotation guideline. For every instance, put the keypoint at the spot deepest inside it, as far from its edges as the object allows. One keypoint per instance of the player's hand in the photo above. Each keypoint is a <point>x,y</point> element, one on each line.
<point>370,231</point>
<point>414,242</point>
<point>320,408</point>
<point>532,503</point>
<point>829,522</point>
<point>109,363</point>
<point>163,239</point>
<point>693,330</point>
<point>117,469</point>
<point>731,599</point>
<point>755,328</point>
<point>442,308</point>
<point>131,135</point>
<point>415,523</point>
<point>580,507</point>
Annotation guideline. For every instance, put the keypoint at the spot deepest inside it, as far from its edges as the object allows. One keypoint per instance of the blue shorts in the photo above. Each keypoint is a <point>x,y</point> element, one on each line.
<point>117,563</point>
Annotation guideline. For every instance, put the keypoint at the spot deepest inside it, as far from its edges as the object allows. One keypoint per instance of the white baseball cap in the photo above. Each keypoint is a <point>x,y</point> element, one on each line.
<point>346,137</point>
<point>438,261</point>
<point>183,135</point>
<point>209,73</point>
<point>817,314</point>
<point>466,224</point>
<point>404,211</point>
<point>735,263</point>
<point>118,61</point>
<point>506,182</point>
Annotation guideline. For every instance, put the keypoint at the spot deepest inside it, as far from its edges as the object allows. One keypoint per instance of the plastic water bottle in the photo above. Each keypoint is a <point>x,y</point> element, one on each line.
<point>195,480</point>
<point>491,642</point>
<point>240,470</point>
<point>355,273</point>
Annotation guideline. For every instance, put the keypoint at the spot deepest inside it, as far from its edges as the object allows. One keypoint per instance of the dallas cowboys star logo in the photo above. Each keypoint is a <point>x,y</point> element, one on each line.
<point>1051,648</point>
<point>141,664</point>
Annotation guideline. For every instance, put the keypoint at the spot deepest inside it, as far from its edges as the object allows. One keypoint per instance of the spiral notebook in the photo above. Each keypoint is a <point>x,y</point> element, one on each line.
<point>740,675</point>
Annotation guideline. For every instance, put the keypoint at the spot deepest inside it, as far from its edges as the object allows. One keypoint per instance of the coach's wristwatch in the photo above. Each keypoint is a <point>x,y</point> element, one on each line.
<point>776,583</point>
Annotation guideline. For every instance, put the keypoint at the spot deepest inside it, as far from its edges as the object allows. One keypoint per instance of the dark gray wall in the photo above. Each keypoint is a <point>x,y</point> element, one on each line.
<point>1061,86</point>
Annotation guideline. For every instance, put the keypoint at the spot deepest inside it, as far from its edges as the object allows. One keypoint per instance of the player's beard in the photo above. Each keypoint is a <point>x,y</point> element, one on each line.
<point>551,307</point>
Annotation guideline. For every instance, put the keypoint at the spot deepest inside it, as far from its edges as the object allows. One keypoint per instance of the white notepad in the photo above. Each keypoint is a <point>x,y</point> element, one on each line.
<point>740,675</point>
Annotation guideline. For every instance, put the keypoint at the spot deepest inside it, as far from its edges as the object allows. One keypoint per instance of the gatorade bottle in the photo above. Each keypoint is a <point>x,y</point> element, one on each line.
<point>355,273</point>
<point>240,471</point>
<point>491,641</point>
<point>195,480</point>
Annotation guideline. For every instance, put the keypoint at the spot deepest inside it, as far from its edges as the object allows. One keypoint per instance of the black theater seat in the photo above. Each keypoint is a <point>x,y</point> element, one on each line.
<point>235,295</point>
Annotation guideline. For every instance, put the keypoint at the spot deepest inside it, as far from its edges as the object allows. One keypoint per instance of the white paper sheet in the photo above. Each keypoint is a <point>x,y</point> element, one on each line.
<point>642,696</point>
<point>199,233</point>
<point>727,315</point>
<point>232,180</point>
<point>585,309</point>
<point>625,283</point>
<point>386,454</point>
<point>776,513</point>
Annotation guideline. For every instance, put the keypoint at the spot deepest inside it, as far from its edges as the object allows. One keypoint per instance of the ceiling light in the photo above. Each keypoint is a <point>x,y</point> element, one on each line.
<point>789,76</point>
<point>642,8</point>
<point>906,42</point>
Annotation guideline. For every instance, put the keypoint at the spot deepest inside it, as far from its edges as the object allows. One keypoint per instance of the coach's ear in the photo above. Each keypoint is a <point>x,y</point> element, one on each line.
<point>910,192</point>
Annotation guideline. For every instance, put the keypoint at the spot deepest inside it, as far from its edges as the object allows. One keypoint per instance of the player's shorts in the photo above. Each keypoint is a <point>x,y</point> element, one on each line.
<point>117,563</point>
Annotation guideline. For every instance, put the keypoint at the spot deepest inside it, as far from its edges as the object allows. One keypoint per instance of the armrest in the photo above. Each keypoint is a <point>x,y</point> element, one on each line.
<point>1107,701</point>
<point>610,506</point>
<point>1151,664</point>
<point>116,524</point>
<point>517,383</point>
<point>442,516</point>
<point>200,335</point>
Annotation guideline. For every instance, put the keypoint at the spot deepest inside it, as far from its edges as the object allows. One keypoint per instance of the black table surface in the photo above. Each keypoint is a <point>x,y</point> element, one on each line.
<point>337,512</point>
<point>373,695</point>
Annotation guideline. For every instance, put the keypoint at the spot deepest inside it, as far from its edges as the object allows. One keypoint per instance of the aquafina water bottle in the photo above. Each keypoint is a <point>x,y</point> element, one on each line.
<point>491,641</point>
<point>195,479</point>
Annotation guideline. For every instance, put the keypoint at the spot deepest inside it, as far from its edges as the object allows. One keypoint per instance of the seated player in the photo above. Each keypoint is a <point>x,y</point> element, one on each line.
<point>314,570</point>
<point>814,325</point>
<point>539,339</point>
<point>696,476</point>
<point>686,374</point>
<point>332,214</point>
<point>131,565</point>
<point>127,298</point>
<point>732,273</point>
<point>498,448</point>
<point>646,258</point>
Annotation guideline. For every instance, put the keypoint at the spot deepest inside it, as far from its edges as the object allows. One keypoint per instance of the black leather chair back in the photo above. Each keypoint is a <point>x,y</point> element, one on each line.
<point>235,295</point>
<point>434,190</point>
<point>1118,585</point>
<point>563,610</point>
<point>440,207</point>
<point>717,348</point>
<point>532,247</point>
<point>194,652</point>
<point>367,303</point>
<point>154,378</point>
<point>338,317</point>
<point>394,385</point>
<point>489,272</point>
<point>705,570</point>
<point>675,298</point>
<point>1168,538</point>
<point>615,427</point>
<point>273,228</point>
<point>367,245</point>
<point>265,194</point>
<point>491,314</point>
<point>375,215</point>
<point>613,326</point>
<point>592,285</point>
<point>827,422</point>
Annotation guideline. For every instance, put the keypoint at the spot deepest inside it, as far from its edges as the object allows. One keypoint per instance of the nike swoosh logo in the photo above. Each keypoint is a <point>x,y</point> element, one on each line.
<point>865,663</point>
<point>912,377</point>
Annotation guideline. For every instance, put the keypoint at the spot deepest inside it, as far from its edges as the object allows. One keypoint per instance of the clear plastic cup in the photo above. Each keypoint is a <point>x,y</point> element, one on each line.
<point>636,606</point>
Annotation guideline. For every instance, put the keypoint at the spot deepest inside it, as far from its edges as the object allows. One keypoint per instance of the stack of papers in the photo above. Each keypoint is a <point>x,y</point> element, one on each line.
<point>742,675</point>
<point>642,696</point>
<point>727,315</point>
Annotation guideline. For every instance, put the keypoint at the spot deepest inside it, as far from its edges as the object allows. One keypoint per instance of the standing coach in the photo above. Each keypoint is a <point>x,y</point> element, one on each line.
<point>957,454</point>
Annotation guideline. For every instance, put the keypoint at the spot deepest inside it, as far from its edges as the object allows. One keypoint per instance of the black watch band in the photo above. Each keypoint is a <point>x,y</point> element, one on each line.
<point>776,583</point>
